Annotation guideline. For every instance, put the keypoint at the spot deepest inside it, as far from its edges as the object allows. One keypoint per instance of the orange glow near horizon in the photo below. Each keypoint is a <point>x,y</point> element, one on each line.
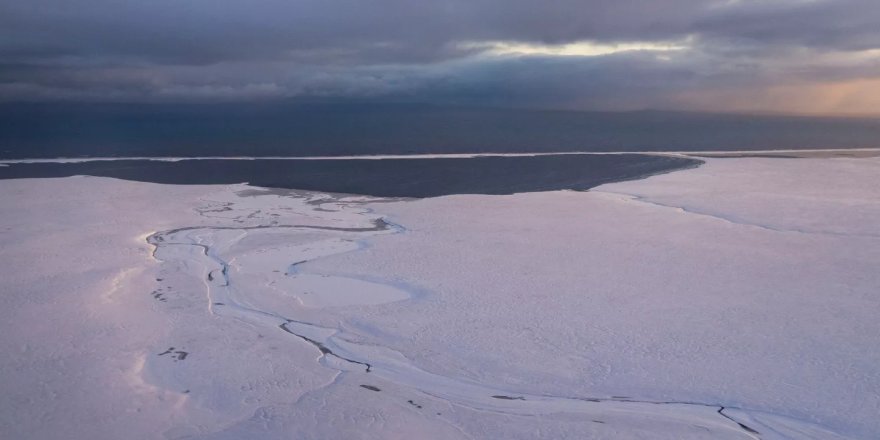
<point>845,98</point>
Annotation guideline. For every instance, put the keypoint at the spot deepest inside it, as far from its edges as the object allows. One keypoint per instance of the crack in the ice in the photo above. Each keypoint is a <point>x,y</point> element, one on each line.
<point>379,224</point>
<point>745,427</point>
<point>645,200</point>
<point>754,433</point>
<point>748,430</point>
<point>321,347</point>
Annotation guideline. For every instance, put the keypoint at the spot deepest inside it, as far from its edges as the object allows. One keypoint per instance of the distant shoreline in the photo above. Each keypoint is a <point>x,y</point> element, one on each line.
<point>828,152</point>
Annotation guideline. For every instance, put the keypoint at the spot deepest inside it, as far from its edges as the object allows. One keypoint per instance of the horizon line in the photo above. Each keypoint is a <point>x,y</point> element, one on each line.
<point>433,155</point>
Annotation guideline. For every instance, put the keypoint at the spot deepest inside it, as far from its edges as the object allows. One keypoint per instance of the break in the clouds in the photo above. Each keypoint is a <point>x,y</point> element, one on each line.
<point>813,56</point>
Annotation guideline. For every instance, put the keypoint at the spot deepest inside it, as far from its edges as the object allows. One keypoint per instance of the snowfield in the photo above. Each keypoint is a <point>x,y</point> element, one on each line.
<point>737,300</point>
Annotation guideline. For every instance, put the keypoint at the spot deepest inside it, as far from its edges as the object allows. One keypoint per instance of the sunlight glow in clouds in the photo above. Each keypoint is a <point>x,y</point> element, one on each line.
<point>579,48</point>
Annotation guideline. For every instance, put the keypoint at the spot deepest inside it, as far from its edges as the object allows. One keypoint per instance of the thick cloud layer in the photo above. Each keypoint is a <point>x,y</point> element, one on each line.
<point>774,55</point>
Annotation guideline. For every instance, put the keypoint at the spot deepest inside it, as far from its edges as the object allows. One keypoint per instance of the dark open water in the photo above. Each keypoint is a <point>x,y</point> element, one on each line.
<point>333,129</point>
<point>287,129</point>
<point>385,177</point>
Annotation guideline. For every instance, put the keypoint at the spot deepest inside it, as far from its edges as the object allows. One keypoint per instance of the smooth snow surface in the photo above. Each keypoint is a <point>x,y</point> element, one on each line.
<point>737,300</point>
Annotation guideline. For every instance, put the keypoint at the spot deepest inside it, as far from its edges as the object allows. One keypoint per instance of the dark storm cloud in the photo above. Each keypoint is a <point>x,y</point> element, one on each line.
<point>200,31</point>
<point>398,49</point>
<point>842,25</point>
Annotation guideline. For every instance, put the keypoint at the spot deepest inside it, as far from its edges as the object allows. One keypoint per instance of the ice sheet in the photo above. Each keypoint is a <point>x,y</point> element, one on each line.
<point>736,300</point>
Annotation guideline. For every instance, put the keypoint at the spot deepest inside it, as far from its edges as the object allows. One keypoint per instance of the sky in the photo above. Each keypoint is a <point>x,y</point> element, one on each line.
<point>777,56</point>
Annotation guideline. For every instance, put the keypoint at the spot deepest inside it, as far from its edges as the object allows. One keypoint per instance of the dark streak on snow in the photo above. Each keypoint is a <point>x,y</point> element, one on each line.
<point>323,348</point>
<point>291,269</point>
<point>741,425</point>
<point>178,355</point>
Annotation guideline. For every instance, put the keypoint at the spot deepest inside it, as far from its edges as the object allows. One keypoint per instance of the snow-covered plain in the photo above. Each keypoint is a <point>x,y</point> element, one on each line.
<point>736,300</point>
